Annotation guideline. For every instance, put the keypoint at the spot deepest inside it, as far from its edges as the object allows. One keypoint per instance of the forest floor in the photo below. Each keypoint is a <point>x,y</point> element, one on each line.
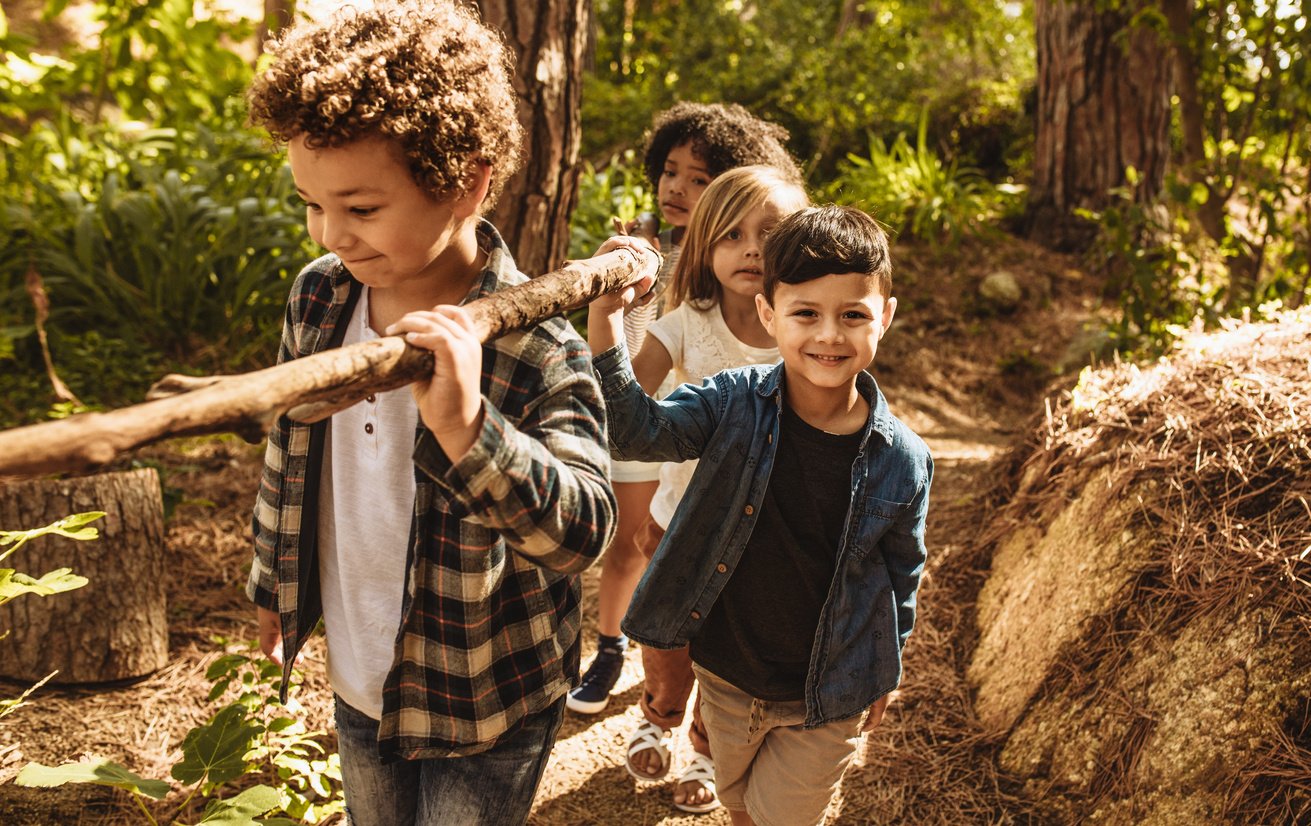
<point>964,379</point>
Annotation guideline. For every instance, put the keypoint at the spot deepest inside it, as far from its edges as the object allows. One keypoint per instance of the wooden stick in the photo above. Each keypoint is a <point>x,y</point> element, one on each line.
<point>308,389</point>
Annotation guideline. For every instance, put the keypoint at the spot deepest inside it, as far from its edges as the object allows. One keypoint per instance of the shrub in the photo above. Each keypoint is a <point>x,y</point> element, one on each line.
<point>617,190</point>
<point>916,193</point>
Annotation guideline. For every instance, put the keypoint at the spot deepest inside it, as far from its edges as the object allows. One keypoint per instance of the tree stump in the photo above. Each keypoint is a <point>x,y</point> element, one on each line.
<point>113,628</point>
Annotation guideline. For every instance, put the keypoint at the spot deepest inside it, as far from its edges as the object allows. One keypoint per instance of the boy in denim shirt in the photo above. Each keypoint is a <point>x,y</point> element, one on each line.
<point>792,563</point>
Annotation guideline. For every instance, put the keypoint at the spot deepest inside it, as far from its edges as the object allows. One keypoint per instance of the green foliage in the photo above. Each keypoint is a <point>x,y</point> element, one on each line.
<point>14,584</point>
<point>916,193</point>
<point>617,190</point>
<point>1254,91</point>
<point>98,771</point>
<point>160,224</point>
<point>251,736</point>
<point>177,241</point>
<point>155,61</point>
<point>214,752</point>
<point>830,72</point>
<point>1153,273</point>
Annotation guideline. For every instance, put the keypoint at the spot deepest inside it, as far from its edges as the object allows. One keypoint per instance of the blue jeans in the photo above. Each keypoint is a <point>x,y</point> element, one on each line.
<point>492,787</point>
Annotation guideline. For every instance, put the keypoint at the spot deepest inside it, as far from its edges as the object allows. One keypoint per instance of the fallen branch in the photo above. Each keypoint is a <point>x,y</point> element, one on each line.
<point>308,389</point>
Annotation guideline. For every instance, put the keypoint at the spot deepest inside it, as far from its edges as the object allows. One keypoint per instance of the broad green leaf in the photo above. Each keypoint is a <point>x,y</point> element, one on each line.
<point>13,584</point>
<point>225,665</point>
<point>100,772</point>
<point>216,750</point>
<point>242,809</point>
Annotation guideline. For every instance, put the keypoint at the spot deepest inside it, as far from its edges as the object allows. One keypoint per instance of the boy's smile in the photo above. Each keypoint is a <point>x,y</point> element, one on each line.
<point>684,178</point>
<point>827,329</point>
<point>362,204</point>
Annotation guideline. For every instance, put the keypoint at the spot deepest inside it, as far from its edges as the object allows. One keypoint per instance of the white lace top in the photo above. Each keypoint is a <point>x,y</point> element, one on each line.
<point>700,344</point>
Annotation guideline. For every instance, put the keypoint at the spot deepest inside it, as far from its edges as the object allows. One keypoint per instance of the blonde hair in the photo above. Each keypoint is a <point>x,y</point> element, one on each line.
<point>724,204</point>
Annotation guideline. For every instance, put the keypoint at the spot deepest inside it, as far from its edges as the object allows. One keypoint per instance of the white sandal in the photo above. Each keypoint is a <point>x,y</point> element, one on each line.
<point>649,736</point>
<point>700,770</point>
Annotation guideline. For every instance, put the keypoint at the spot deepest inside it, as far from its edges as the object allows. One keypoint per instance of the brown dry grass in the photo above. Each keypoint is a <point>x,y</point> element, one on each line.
<point>1215,445</point>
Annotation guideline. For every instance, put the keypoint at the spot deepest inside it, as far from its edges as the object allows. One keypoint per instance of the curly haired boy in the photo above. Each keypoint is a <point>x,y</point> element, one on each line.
<point>437,530</point>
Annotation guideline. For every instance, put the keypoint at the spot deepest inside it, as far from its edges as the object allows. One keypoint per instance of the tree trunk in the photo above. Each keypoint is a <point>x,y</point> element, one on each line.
<point>1179,15</point>
<point>115,627</point>
<point>548,39</point>
<point>1104,91</point>
<point>278,14</point>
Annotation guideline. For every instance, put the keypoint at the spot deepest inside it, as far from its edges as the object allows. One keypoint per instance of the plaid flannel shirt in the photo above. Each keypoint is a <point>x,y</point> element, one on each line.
<point>489,631</point>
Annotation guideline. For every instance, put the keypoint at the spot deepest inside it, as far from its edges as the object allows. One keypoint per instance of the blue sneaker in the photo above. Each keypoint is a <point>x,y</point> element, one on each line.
<point>593,693</point>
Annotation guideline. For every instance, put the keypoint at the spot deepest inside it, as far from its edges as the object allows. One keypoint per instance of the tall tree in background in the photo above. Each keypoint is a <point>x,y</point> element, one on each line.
<point>1104,86</point>
<point>548,39</point>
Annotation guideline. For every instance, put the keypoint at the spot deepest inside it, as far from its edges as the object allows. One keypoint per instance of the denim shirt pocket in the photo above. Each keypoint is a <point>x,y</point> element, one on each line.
<point>874,518</point>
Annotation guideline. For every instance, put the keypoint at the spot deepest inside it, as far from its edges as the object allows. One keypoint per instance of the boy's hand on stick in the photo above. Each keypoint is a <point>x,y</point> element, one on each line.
<point>450,401</point>
<point>605,315</point>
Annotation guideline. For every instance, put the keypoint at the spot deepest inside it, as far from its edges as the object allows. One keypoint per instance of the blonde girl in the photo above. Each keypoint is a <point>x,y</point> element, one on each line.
<point>712,325</point>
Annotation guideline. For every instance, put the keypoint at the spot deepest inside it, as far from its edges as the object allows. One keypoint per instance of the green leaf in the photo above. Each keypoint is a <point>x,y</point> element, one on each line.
<point>216,750</point>
<point>225,666</point>
<point>14,584</point>
<point>100,772</point>
<point>242,809</point>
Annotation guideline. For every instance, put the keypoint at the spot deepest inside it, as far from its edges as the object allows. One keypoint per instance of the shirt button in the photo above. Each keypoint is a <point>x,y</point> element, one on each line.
<point>721,567</point>
<point>371,398</point>
<point>368,428</point>
<point>696,615</point>
<point>750,510</point>
<point>769,438</point>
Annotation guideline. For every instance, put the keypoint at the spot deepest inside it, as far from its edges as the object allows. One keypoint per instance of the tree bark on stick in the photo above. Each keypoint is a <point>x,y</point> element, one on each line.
<point>308,389</point>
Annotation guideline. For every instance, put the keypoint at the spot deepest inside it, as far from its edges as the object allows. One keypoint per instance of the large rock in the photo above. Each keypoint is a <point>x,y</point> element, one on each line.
<point>1143,649</point>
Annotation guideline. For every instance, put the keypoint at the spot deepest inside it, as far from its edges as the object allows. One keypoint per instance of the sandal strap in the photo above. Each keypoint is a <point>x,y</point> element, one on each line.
<point>650,736</point>
<point>700,770</point>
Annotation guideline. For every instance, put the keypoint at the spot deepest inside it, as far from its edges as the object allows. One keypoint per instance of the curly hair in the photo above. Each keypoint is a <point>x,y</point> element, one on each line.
<point>429,75</point>
<point>723,136</point>
<point>725,203</point>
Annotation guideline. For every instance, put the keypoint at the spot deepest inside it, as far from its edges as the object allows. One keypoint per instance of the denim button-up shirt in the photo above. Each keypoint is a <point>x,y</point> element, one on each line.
<point>731,422</point>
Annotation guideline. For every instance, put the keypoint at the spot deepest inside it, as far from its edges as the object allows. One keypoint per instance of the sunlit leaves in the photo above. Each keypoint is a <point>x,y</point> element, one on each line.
<point>242,809</point>
<point>14,584</point>
<point>98,771</point>
<point>216,751</point>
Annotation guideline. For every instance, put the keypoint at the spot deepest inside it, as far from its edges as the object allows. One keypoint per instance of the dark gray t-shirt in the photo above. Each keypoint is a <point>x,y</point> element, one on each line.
<point>759,634</point>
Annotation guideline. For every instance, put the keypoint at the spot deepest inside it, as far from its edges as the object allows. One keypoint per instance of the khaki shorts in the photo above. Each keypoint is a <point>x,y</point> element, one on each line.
<point>766,764</point>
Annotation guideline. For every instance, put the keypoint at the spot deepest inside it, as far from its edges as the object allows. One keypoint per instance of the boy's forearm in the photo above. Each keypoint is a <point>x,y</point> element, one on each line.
<point>644,429</point>
<point>604,329</point>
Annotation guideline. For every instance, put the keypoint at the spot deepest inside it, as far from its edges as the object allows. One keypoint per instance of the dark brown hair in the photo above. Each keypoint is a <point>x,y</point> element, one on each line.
<point>826,240</point>
<point>722,136</point>
<point>428,75</point>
